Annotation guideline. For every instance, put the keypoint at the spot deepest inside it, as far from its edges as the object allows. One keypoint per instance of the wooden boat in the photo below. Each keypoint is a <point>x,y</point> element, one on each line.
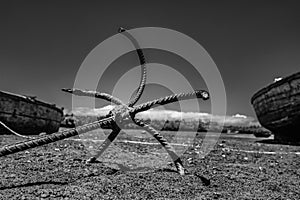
<point>277,107</point>
<point>27,115</point>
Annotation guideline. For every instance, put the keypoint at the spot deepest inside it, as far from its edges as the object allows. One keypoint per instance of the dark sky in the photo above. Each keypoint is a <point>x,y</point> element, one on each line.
<point>43,43</point>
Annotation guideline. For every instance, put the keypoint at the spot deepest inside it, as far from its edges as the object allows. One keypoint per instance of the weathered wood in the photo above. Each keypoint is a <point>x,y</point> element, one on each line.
<point>277,107</point>
<point>27,115</point>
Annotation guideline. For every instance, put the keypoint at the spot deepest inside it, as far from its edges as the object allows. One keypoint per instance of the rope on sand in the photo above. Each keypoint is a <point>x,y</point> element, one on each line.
<point>15,133</point>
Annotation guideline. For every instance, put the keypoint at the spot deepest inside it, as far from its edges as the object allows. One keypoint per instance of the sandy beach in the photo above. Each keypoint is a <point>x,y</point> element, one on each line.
<point>237,168</point>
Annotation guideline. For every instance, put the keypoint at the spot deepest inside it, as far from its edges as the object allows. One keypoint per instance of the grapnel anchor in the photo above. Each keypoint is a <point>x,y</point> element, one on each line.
<point>116,118</point>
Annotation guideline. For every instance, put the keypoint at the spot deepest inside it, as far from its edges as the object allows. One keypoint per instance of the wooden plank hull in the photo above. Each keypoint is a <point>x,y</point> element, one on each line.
<point>28,116</point>
<point>277,107</point>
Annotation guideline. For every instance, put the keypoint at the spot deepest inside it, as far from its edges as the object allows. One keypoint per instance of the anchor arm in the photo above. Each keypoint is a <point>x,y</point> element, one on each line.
<point>170,99</point>
<point>95,94</point>
<point>24,145</point>
<point>111,137</point>
<point>142,59</point>
<point>171,151</point>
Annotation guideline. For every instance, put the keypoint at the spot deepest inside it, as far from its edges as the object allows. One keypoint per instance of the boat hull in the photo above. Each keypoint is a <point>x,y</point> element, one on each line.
<point>277,107</point>
<point>28,116</point>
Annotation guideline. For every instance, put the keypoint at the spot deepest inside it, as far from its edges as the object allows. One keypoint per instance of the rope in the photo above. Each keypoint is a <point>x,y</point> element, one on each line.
<point>13,132</point>
<point>142,59</point>
<point>22,146</point>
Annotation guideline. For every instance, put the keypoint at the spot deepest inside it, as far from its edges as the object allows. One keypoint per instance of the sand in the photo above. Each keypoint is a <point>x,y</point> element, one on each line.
<point>236,168</point>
